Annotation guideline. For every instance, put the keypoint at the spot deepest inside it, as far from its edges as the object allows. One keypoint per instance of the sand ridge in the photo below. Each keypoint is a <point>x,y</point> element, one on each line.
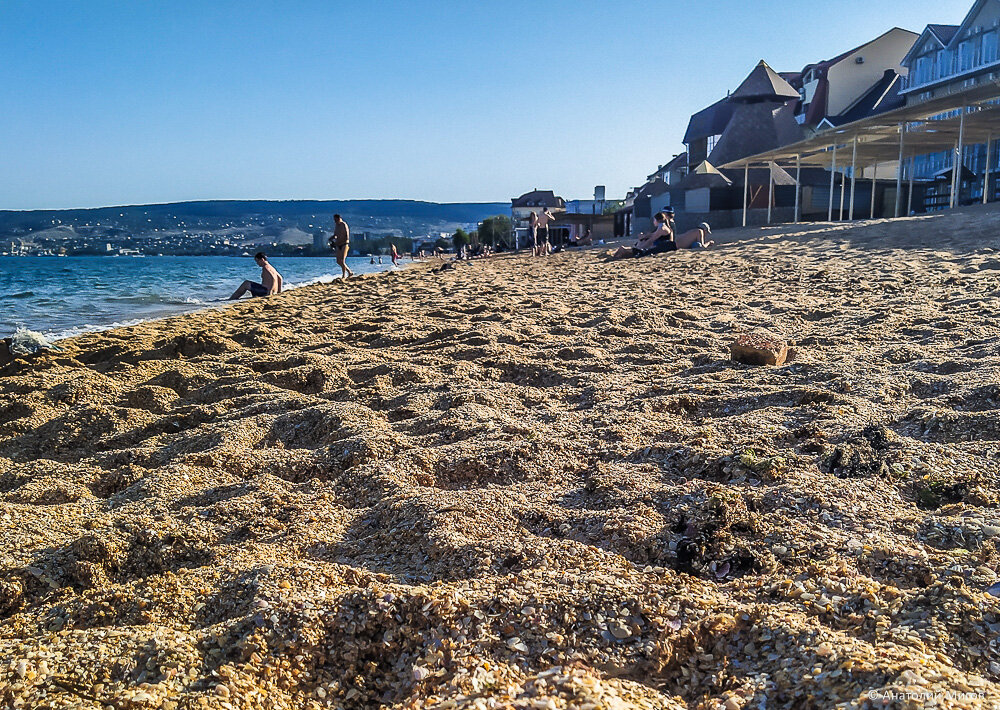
<point>525,483</point>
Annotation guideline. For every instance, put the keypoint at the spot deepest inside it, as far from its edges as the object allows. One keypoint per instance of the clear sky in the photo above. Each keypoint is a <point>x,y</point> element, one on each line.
<point>161,100</point>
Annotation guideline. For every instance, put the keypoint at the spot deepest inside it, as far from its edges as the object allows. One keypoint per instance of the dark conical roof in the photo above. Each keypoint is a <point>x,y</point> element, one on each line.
<point>756,128</point>
<point>764,84</point>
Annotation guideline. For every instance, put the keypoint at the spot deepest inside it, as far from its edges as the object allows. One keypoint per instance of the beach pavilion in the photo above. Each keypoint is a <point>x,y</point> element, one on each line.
<point>945,123</point>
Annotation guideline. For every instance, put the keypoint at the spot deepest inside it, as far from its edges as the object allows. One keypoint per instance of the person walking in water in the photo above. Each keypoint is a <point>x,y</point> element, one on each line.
<point>270,280</point>
<point>340,242</point>
<point>395,255</point>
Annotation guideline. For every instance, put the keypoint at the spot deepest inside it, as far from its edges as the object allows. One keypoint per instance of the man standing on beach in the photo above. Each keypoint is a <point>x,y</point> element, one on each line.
<point>270,280</point>
<point>340,242</point>
<point>542,245</point>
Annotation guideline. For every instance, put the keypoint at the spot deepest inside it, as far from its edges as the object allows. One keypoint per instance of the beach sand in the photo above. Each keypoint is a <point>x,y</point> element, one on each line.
<point>525,483</point>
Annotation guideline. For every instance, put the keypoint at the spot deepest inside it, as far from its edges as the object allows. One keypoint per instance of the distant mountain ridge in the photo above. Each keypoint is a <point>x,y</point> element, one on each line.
<point>419,211</point>
<point>233,226</point>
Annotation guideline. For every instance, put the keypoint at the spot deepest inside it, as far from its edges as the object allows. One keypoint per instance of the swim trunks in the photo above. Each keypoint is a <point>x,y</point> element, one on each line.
<point>257,290</point>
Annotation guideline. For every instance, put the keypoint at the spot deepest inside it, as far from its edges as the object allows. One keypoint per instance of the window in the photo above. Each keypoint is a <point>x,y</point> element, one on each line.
<point>965,51</point>
<point>920,71</point>
<point>712,141</point>
<point>943,68</point>
<point>989,47</point>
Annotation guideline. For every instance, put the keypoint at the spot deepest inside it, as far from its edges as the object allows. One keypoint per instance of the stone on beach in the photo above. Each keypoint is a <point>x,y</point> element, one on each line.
<point>759,348</point>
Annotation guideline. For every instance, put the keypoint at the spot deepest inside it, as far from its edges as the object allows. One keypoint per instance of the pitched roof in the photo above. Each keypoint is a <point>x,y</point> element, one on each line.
<point>704,175</point>
<point>763,83</point>
<point>883,96</point>
<point>944,33</point>
<point>826,63</point>
<point>538,198</point>
<point>711,121</point>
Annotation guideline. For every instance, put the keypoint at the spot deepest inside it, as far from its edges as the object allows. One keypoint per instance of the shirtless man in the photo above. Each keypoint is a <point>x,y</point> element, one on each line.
<point>542,246</point>
<point>340,242</point>
<point>270,280</point>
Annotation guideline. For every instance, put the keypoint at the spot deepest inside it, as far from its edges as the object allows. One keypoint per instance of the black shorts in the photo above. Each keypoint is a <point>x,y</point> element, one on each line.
<point>657,248</point>
<point>542,237</point>
<point>257,290</point>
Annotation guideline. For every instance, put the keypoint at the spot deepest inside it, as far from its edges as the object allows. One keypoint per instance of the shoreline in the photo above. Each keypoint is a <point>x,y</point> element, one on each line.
<point>526,480</point>
<point>170,310</point>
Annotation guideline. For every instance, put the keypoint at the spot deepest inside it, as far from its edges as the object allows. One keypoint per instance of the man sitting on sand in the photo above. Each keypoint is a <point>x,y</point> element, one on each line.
<point>695,239</point>
<point>661,239</point>
<point>340,242</point>
<point>270,280</point>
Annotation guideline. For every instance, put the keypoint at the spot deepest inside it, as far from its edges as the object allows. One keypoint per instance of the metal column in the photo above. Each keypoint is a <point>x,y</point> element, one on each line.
<point>986,175</point>
<point>871,212</point>
<point>854,175</point>
<point>798,186</point>
<point>770,190</point>
<point>958,163</point>
<point>899,172</point>
<point>913,171</point>
<point>833,174</point>
<point>746,189</point>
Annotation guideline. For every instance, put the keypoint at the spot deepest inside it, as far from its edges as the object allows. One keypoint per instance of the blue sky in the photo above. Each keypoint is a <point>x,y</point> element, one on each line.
<point>161,100</point>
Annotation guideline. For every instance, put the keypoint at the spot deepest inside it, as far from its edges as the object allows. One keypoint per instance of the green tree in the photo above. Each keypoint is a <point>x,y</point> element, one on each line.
<point>612,206</point>
<point>495,230</point>
<point>461,239</point>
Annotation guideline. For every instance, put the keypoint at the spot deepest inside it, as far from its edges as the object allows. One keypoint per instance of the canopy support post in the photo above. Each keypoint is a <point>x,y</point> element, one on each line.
<point>770,190</point>
<point>899,172</point>
<point>958,163</point>
<point>854,176</point>
<point>871,212</point>
<point>986,175</point>
<point>833,173</point>
<point>746,189</point>
<point>798,186</point>
<point>913,172</point>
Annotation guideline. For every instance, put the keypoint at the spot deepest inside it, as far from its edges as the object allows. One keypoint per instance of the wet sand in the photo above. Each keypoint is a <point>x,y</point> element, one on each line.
<point>525,483</point>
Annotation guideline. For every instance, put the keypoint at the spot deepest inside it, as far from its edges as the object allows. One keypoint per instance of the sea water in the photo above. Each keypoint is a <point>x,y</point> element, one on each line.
<point>63,296</point>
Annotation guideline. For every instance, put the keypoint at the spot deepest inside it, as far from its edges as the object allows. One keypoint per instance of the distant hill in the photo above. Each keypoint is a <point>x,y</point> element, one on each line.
<point>230,226</point>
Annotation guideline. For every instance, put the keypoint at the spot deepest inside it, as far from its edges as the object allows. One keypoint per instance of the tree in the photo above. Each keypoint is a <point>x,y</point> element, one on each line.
<point>495,230</point>
<point>612,206</point>
<point>461,239</point>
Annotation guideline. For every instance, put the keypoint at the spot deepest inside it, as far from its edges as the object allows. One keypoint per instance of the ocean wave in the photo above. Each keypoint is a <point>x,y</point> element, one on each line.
<point>22,294</point>
<point>25,342</point>
<point>157,298</point>
<point>324,279</point>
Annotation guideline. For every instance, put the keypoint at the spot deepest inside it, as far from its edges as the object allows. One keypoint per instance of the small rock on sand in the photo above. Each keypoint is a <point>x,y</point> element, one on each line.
<point>759,349</point>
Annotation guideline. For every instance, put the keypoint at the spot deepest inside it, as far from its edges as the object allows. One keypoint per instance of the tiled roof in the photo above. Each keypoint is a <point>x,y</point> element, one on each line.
<point>538,198</point>
<point>764,83</point>
<point>711,121</point>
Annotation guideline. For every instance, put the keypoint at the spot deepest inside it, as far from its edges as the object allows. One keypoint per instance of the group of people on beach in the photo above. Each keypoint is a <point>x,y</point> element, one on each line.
<point>662,238</point>
<point>270,280</point>
<point>538,232</point>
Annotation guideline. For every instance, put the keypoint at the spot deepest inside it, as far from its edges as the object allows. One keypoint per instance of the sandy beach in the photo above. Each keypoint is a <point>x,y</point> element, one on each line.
<point>527,483</point>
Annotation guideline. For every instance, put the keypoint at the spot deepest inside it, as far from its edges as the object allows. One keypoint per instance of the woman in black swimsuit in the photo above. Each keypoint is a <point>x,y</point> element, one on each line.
<point>661,239</point>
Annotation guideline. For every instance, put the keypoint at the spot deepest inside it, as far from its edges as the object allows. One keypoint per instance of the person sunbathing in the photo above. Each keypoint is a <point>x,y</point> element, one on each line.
<point>661,239</point>
<point>695,239</point>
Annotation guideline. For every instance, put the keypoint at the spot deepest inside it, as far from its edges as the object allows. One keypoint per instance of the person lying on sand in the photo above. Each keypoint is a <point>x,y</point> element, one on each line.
<point>270,280</point>
<point>695,239</point>
<point>661,239</point>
